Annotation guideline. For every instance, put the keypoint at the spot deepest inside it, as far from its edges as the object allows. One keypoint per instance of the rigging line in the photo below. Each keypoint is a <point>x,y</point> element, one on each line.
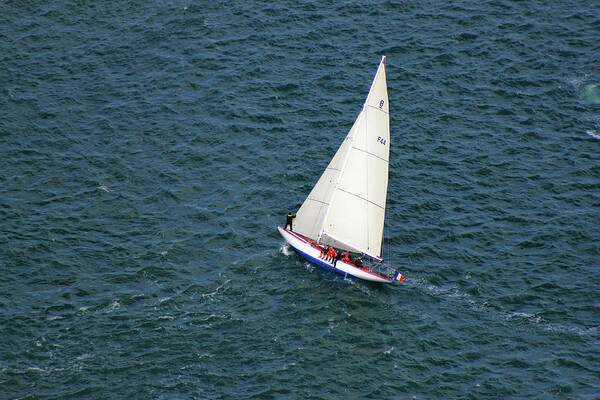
<point>386,231</point>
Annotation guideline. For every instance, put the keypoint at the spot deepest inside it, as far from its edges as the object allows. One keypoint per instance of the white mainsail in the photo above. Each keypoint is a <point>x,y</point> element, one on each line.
<point>346,208</point>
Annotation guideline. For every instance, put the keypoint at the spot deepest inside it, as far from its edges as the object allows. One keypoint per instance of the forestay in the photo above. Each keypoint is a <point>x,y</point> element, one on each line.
<point>346,208</point>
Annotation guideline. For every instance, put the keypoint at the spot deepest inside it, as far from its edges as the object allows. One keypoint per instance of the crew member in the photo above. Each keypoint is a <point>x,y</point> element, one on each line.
<point>358,261</point>
<point>346,257</point>
<point>324,251</point>
<point>288,221</point>
<point>330,254</point>
<point>336,257</point>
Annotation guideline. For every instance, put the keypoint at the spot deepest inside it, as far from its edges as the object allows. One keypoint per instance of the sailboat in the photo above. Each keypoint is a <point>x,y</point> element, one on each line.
<point>346,208</point>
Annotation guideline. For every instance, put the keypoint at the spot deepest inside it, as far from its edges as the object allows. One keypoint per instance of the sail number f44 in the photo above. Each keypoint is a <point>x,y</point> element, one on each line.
<point>380,140</point>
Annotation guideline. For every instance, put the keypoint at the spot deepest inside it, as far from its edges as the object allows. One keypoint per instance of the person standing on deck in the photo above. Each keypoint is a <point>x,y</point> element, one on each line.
<point>336,257</point>
<point>288,220</point>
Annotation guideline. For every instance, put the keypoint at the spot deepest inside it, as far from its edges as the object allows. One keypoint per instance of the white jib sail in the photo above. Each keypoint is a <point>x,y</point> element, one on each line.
<point>346,208</point>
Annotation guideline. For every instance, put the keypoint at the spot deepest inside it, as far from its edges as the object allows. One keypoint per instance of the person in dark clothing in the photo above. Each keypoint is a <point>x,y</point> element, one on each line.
<point>336,257</point>
<point>358,262</point>
<point>288,220</point>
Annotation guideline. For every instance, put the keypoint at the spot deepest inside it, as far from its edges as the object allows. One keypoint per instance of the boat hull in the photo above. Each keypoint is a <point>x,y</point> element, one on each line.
<point>312,253</point>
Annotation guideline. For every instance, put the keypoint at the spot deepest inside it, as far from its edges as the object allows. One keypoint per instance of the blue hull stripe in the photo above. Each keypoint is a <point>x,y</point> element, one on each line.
<point>319,262</point>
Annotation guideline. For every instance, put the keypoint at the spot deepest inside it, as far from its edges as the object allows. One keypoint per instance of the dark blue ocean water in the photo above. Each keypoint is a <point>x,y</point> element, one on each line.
<point>149,149</point>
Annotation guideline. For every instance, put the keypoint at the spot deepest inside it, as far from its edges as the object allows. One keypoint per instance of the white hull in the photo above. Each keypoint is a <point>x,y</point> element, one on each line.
<point>312,253</point>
